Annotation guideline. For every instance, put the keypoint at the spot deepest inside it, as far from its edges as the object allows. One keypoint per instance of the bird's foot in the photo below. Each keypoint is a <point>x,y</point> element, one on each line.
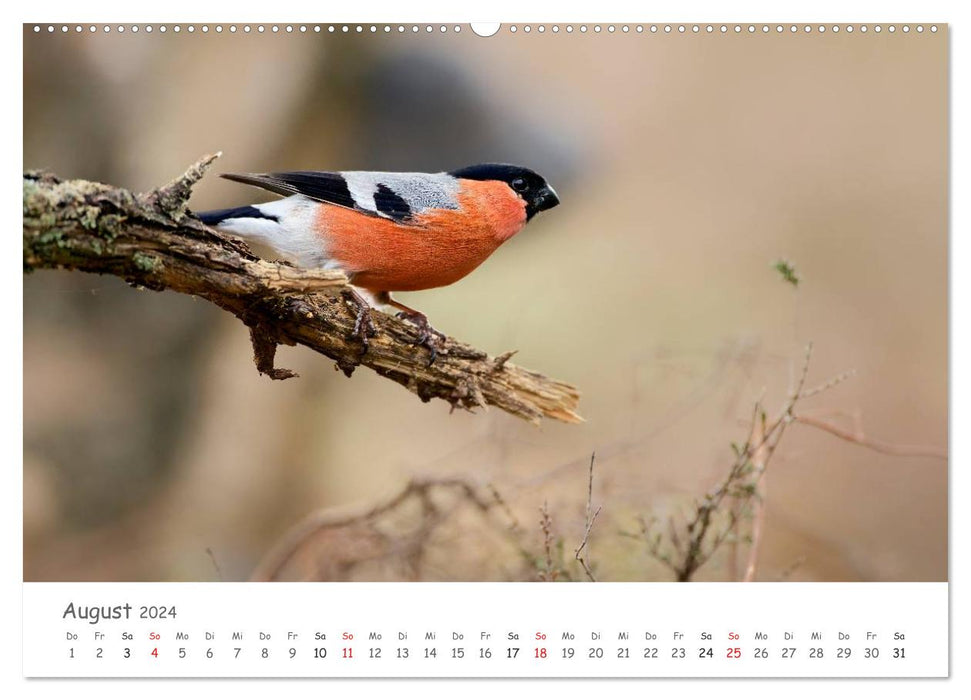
<point>428,337</point>
<point>363,325</point>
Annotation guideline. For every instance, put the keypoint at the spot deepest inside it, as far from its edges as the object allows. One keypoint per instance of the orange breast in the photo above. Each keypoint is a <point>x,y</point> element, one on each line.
<point>437,248</point>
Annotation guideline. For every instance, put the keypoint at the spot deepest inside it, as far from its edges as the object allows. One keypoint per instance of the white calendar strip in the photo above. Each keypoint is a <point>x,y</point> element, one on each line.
<point>485,630</point>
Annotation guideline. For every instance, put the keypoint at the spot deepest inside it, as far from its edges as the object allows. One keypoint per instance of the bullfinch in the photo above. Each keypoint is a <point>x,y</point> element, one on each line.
<point>390,232</point>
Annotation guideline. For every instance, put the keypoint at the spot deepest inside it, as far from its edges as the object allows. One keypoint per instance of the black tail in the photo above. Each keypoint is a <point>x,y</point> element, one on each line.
<point>217,216</point>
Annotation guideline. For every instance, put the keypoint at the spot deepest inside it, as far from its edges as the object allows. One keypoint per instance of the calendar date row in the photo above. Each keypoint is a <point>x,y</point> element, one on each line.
<point>536,652</point>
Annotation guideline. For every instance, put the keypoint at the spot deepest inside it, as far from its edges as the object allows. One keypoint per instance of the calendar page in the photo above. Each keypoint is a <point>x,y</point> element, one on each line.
<point>514,350</point>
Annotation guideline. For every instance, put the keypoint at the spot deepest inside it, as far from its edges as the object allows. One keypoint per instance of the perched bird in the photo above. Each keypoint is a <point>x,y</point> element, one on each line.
<point>390,232</point>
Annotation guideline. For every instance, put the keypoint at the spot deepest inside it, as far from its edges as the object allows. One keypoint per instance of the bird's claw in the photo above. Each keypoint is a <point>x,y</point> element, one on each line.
<point>363,324</point>
<point>428,337</point>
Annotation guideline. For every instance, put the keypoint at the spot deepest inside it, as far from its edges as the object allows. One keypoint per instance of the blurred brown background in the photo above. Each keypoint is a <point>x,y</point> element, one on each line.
<point>685,164</point>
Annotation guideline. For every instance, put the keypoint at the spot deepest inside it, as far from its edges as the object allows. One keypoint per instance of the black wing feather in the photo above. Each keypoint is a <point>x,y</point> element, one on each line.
<point>320,186</point>
<point>391,204</point>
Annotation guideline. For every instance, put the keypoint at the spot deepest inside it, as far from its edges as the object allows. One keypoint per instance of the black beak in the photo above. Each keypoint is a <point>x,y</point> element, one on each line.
<point>544,199</point>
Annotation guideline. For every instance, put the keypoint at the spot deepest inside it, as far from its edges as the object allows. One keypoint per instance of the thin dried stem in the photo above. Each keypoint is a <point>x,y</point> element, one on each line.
<point>549,573</point>
<point>759,462</point>
<point>859,438</point>
<point>590,519</point>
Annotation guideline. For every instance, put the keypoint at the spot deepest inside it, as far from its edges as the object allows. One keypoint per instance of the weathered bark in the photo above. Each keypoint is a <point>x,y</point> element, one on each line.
<point>153,241</point>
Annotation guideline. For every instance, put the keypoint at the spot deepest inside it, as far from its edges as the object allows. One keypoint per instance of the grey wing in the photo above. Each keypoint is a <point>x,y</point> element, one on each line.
<point>396,196</point>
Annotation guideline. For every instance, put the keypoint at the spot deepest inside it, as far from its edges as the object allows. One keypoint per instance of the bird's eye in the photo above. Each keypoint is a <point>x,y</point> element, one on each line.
<point>519,184</point>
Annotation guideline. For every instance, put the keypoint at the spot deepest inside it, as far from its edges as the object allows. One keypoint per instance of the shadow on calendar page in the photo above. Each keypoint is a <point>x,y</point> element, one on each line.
<point>567,303</point>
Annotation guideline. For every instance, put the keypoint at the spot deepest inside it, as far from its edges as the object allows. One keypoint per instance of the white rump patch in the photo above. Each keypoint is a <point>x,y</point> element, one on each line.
<point>293,235</point>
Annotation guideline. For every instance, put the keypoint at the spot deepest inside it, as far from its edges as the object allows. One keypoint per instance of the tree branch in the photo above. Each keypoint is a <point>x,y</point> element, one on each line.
<point>152,240</point>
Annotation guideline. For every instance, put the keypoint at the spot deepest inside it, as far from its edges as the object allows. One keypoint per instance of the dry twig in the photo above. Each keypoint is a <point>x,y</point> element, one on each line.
<point>858,437</point>
<point>550,572</point>
<point>589,521</point>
